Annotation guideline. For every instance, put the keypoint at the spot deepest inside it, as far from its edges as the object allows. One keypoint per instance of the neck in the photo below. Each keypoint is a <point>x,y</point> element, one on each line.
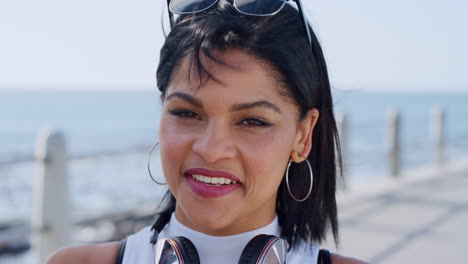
<point>221,227</point>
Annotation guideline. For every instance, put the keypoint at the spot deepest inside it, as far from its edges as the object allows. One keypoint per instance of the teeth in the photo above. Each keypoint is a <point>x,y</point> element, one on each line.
<point>213,180</point>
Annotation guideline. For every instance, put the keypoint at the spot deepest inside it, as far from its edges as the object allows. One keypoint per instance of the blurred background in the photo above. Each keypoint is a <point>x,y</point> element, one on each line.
<point>87,69</point>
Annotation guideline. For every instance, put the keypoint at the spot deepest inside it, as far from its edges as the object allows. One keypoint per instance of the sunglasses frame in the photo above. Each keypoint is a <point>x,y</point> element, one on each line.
<point>298,3</point>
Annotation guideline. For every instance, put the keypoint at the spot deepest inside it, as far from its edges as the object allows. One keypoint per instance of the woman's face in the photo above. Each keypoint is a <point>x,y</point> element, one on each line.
<point>225,145</point>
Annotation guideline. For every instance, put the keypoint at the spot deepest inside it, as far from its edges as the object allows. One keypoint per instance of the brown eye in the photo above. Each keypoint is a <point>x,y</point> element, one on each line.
<point>254,122</point>
<point>186,114</point>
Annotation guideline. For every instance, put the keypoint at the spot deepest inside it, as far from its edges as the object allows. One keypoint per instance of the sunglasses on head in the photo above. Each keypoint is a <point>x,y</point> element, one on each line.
<point>246,7</point>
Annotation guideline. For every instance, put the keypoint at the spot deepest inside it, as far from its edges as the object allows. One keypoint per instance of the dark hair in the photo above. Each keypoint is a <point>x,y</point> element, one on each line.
<point>280,42</point>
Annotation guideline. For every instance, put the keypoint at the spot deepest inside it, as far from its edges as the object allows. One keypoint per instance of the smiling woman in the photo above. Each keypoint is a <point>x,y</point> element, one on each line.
<point>239,128</point>
<point>248,142</point>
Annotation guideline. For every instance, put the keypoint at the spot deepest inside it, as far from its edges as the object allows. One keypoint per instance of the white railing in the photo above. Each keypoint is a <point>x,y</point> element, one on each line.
<point>393,139</point>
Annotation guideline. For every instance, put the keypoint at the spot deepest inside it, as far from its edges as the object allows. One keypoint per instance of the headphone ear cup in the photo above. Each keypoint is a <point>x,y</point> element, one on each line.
<point>188,250</point>
<point>254,248</point>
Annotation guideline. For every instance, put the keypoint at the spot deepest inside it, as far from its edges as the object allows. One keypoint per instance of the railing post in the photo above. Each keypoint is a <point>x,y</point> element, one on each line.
<point>50,222</point>
<point>393,141</point>
<point>437,135</point>
<point>342,126</point>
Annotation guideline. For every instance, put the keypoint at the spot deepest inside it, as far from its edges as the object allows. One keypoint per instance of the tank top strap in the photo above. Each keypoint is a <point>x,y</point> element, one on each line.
<point>137,248</point>
<point>121,251</point>
<point>324,257</point>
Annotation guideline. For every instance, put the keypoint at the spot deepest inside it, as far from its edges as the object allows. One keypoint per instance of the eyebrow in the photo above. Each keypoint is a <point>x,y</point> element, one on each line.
<point>262,104</point>
<point>186,97</point>
<point>237,107</point>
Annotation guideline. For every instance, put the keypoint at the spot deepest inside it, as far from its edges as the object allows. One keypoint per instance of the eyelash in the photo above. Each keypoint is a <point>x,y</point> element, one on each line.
<point>187,114</point>
<point>184,114</point>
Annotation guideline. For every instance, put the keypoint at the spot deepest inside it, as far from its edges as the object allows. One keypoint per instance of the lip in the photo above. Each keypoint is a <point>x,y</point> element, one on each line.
<point>210,191</point>
<point>212,173</point>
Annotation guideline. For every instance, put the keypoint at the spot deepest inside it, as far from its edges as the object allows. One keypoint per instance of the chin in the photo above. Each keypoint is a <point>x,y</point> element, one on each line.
<point>209,220</point>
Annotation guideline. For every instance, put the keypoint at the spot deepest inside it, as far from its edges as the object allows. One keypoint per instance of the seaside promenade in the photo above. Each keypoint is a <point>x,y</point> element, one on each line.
<point>421,217</point>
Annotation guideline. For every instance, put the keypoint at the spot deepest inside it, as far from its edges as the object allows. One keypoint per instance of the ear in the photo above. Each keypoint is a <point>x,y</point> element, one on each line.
<point>303,141</point>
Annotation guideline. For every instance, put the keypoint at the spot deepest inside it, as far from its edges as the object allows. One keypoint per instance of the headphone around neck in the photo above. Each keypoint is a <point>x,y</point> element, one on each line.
<point>262,249</point>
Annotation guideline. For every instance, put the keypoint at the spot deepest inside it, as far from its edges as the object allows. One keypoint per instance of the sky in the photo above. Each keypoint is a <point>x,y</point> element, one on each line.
<point>385,45</point>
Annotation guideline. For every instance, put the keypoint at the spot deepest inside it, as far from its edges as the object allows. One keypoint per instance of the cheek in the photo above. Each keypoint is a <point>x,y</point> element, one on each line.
<point>173,137</point>
<point>266,157</point>
<point>174,147</point>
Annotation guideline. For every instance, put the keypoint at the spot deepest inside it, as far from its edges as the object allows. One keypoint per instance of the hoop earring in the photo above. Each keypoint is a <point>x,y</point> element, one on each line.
<point>311,182</point>
<point>148,164</point>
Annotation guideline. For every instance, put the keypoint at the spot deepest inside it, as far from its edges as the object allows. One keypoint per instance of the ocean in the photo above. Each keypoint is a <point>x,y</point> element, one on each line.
<point>108,135</point>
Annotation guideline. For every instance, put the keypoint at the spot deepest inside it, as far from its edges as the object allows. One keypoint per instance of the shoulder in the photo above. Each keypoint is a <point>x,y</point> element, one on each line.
<point>337,259</point>
<point>90,254</point>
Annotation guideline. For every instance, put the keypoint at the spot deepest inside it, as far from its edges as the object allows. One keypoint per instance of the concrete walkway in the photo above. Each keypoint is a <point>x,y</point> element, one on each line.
<point>414,221</point>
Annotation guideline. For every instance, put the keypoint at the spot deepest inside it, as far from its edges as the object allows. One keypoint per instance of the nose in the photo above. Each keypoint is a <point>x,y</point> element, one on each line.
<point>215,143</point>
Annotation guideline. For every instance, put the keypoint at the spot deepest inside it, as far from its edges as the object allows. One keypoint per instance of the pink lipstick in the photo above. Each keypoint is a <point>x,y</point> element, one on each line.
<point>211,184</point>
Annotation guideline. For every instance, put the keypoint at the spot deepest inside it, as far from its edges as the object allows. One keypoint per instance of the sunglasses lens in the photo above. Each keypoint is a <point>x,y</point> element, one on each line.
<point>259,7</point>
<point>189,6</point>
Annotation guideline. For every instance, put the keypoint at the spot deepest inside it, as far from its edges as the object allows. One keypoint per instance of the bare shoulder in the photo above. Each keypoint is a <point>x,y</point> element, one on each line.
<point>87,254</point>
<point>337,259</point>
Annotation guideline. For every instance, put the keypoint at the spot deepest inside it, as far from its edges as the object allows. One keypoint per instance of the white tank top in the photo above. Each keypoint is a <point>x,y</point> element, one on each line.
<point>211,249</point>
